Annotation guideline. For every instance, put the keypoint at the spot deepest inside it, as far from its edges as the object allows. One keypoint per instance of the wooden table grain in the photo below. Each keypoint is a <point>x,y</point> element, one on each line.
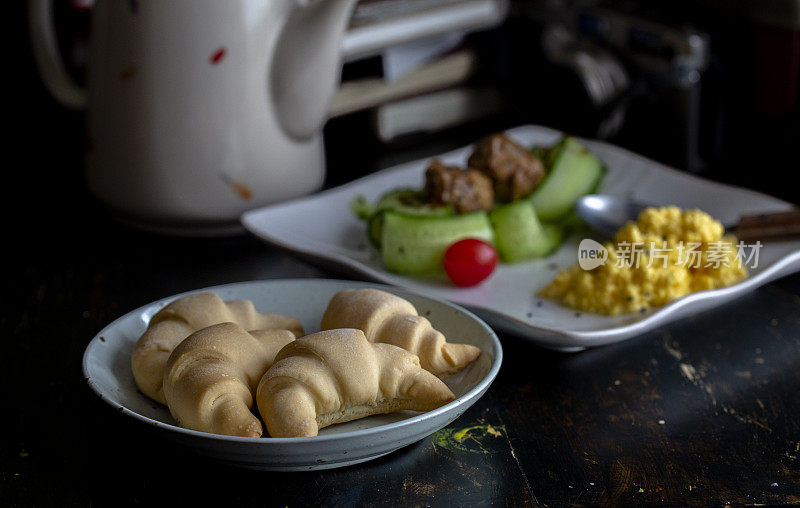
<point>703,411</point>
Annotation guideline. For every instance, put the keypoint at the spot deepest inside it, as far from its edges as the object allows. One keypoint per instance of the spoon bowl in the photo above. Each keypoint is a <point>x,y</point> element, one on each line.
<point>606,214</point>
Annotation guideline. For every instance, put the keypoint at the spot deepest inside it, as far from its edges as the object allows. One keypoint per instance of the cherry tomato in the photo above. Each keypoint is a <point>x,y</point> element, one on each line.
<point>468,262</point>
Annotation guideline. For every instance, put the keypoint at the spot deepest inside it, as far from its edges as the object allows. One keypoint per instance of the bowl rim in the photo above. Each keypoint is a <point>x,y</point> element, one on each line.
<point>473,393</point>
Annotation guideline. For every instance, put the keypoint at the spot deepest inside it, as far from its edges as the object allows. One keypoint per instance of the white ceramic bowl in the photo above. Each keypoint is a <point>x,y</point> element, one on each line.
<point>106,365</point>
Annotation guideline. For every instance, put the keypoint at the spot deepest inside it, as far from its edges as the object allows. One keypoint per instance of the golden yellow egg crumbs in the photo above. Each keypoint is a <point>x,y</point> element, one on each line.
<point>666,254</point>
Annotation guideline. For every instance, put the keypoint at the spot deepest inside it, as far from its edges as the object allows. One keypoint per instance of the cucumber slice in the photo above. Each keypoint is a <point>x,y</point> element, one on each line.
<point>519,235</point>
<point>362,207</point>
<point>375,229</point>
<point>541,152</point>
<point>553,238</point>
<point>550,154</point>
<point>572,221</point>
<point>415,244</point>
<point>411,202</point>
<point>574,172</point>
<point>405,201</point>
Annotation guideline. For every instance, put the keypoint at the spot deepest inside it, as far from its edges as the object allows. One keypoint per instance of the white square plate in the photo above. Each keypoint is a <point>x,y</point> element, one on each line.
<point>322,229</point>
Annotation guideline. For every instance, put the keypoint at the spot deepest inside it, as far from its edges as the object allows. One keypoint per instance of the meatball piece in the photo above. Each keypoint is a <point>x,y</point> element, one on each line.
<point>466,189</point>
<point>516,172</point>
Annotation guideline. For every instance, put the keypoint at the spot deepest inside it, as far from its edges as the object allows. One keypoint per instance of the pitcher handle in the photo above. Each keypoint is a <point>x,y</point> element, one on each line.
<point>48,58</point>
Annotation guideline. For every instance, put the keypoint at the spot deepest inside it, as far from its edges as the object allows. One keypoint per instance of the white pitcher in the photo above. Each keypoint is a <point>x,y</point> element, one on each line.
<point>201,109</point>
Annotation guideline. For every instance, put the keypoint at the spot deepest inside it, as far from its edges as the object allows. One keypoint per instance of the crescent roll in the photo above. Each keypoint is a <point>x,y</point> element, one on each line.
<point>211,376</point>
<point>384,317</point>
<point>336,376</point>
<point>184,316</point>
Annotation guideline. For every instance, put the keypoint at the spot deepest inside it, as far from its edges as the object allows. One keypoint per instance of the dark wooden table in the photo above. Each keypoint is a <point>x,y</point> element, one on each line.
<point>704,411</point>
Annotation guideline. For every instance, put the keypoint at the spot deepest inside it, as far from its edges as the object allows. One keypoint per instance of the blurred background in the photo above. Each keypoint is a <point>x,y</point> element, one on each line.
<point>710,87</point>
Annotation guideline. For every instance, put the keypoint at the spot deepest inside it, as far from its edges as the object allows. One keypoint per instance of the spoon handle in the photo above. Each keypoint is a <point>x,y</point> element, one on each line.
<point>769,226</point>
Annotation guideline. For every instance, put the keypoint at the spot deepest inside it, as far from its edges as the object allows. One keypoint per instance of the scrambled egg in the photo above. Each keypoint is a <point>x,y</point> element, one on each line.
<point>666,254</point>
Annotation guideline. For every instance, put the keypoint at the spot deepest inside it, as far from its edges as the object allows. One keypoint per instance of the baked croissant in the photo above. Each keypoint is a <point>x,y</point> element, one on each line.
<point>336,376</point>
<point>211,376</point>
<point>384,317</point>
<point>184,316</point>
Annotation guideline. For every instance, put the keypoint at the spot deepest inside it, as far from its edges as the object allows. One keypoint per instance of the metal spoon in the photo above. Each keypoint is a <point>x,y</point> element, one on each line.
<point>606,214</point>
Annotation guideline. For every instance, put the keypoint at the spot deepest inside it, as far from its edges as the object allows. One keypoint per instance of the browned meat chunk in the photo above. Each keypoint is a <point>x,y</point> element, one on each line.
<point>466,189</point>
<point>515,171</point>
